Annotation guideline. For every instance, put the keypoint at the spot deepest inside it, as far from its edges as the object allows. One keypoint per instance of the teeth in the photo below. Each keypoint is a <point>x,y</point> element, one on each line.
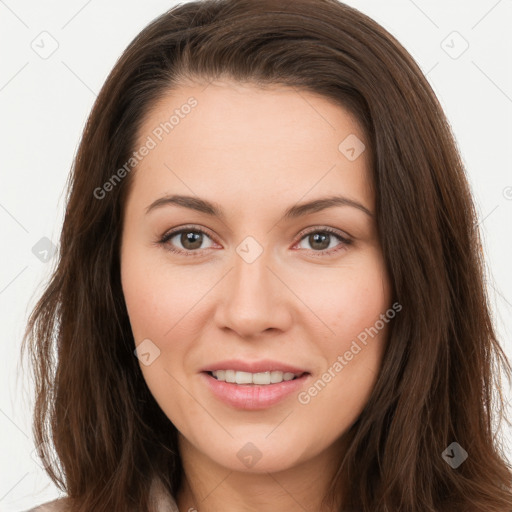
<point>262,378</point>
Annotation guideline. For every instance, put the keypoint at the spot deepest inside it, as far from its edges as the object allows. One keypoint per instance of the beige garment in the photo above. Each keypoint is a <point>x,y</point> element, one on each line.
<point>50,506</point>
<point>163,501</point>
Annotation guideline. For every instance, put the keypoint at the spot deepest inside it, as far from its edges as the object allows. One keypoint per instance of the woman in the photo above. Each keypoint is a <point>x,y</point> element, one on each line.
<point>210,354</point>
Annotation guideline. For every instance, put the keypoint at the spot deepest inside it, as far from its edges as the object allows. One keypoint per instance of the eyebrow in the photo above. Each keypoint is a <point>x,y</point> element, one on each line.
<point>297,210</point>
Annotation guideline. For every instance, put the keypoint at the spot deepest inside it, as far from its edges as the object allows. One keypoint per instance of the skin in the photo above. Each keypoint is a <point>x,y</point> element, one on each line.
<point>254,152</point>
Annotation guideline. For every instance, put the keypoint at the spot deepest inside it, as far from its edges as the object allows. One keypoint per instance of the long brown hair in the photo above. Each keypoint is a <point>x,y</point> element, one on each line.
<point>440,376</point>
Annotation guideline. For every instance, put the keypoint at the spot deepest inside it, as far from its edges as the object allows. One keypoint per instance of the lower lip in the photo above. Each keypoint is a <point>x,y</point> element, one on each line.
<point>252,396</point>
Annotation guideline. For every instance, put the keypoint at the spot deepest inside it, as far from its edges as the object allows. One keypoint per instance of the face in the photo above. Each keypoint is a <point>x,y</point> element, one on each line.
<point>241,271</point>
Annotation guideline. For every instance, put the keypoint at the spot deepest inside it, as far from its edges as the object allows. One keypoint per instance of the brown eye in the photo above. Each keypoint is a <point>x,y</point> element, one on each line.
<point>191,240</point>
<point>319,241</point>
<point>324,240</point>
<point>186,240</point>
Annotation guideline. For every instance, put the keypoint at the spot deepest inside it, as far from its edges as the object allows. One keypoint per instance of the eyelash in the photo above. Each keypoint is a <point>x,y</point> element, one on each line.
<point>193,229</point>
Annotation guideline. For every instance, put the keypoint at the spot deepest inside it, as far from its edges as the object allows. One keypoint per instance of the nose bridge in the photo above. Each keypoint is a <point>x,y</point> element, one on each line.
<point>253,301</point>
<point>250,274</point>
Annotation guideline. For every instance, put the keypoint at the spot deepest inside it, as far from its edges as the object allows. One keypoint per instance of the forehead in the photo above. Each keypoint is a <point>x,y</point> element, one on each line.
<point>230,138</point>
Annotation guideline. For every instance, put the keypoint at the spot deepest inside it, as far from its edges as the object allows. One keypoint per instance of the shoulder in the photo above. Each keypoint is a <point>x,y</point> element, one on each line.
<point>58,505</point>
<point>163,501</point>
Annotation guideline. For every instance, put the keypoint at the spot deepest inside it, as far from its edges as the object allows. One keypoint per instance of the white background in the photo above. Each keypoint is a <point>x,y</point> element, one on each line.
<point>44,103</point>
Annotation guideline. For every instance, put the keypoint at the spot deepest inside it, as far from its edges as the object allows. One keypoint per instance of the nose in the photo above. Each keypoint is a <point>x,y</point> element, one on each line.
<point>253,299</point>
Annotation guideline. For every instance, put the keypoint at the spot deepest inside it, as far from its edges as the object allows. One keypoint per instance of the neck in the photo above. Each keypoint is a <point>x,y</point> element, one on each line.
<point>209,487</point>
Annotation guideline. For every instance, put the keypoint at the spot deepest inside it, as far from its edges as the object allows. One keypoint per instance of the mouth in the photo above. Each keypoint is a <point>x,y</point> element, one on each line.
<point>266,378</point>
<point>252,392</point>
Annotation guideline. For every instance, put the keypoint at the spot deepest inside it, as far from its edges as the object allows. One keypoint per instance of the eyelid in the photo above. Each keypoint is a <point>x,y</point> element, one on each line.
<point>176,231</point>
<point>344,238</point>
<point>313,229</point>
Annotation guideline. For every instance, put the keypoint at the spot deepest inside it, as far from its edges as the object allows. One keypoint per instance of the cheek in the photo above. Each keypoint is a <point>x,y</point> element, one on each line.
<point>353,303</point>
<point>158,313</point>
<point>162,302</point>
<point>349,299</point>
<point>157,299</point>
<point>164,305</point>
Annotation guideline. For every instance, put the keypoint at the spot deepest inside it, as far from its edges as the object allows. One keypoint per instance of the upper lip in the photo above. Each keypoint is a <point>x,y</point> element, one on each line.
<point>262,365</point>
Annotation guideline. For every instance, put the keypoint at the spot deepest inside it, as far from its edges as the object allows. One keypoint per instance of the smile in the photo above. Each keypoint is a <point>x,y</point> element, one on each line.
<point>261,378</point>
<point>242,394</point>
